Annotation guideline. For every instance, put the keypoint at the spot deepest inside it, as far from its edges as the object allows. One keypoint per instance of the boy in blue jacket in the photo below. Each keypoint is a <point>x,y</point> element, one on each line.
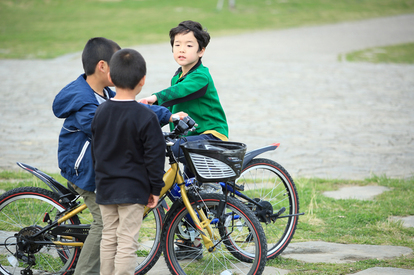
<point>77,103</point>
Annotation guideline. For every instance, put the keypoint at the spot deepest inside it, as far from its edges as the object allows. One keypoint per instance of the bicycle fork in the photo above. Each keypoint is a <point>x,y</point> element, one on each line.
<point>203,223</point>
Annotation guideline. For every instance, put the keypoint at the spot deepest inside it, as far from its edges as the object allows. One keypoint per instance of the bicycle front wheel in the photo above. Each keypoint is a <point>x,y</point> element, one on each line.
<point>268,183</point>
<point>238,224</point>
<point>21,216</point>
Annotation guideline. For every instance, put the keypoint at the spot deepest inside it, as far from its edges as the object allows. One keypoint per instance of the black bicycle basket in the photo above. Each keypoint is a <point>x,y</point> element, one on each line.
<point>214,160</point>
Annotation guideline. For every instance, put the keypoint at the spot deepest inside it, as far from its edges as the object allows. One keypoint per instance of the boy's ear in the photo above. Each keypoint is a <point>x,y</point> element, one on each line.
<point>142,81</point>
<point>201,52</point>
<point>102,66</point>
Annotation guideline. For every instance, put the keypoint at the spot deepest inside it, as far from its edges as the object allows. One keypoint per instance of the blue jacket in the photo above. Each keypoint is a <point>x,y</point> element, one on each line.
<point>77,103</point>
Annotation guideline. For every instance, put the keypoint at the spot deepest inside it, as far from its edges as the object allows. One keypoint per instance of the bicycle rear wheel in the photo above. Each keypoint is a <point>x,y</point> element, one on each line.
<point>149,240</point>
<point>270,184</point>
<point>240,225</point>
<point>21,212</point>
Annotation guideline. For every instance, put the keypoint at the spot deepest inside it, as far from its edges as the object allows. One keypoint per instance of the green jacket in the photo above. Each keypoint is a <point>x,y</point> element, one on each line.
<point>195,94</point>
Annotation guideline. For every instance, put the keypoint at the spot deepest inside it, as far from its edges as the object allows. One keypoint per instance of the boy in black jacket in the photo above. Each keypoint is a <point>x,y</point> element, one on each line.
<point>128,151</point>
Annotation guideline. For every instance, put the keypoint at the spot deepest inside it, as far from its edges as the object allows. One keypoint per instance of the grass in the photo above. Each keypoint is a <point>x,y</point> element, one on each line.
<point>352,222</point>
<point>355,221</point>
<point>326,219</point>
<point>402,53</point>
<point>14,179</point>
<point>47,29</point>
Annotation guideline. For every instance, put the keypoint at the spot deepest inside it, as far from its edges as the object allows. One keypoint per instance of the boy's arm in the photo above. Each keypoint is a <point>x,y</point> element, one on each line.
<point>93,129</point>
<point>164,115</point>
<point>192,87</point>
<point>84,117</point>
<point>148,100</point>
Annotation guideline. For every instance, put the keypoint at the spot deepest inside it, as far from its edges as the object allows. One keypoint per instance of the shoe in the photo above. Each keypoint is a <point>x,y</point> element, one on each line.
<point>186,250</point>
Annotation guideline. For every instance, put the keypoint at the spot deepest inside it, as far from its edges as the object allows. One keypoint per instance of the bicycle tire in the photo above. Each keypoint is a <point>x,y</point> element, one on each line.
<point>222,258</point>
<point>22,210</point>
<point>146,258</point>
<point>150,240</point>
<point>267,180</point>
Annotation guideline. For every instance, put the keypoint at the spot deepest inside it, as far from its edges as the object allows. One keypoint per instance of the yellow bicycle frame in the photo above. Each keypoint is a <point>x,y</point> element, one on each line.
<point>173,175</point>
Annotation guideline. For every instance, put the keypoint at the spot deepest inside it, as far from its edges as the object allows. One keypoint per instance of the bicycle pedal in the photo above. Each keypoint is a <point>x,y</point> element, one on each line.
<point>274,217</point>
<point>249,238</point>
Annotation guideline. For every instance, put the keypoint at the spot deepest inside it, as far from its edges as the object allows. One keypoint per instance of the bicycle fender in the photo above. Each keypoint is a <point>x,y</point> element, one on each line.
<point>177,204</point>
<point>54,185</point>
<point>252,154</point>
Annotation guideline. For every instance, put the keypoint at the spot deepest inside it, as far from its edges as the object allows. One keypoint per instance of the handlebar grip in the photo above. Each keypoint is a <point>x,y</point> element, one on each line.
<point>182,126</point>
<point>189,121</point>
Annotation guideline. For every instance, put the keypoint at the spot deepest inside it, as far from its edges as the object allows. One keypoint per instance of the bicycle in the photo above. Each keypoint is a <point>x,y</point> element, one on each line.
<point>268,189</point>
<point>221,221</point>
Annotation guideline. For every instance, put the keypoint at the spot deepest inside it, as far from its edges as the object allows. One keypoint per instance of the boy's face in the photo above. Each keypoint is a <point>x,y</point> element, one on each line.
<point>106,72</point>
<point>185,51</point>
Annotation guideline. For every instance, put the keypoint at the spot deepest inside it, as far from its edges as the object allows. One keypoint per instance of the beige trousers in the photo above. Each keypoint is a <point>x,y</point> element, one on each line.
<point>121,224</point>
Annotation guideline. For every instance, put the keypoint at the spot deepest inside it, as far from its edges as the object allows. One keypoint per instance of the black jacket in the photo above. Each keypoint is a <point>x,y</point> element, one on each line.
<point>128,151</point>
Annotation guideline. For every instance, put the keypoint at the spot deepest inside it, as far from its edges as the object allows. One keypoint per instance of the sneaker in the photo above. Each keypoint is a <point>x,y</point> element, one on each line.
<point>186,250</point>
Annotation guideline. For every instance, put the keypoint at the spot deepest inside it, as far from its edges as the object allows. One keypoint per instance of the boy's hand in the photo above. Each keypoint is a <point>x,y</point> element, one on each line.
<point>152,201</point>
<point>180,115</point>
<point>149,100</point>
<point>143,101</point>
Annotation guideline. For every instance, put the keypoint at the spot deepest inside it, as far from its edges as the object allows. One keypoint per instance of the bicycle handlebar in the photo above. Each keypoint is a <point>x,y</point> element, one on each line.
<point>182,127</point>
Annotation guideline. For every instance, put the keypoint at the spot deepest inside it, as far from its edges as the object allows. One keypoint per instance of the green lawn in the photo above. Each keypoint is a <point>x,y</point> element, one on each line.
<point>352,221</point>
<point>46,29</point>
<point>402,53</point>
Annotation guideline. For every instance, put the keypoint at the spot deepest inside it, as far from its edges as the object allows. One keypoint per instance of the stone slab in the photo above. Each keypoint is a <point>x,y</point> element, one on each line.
<point>406,221</point>
<point>385,271</point>
<point>357,192</point>
<point>318,251</point>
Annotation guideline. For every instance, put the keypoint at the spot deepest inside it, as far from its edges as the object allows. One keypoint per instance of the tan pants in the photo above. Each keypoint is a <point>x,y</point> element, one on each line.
<point>121,224</point>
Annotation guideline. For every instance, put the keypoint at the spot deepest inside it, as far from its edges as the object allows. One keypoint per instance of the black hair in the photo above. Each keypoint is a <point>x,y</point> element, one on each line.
<point>97,49</point>
<point>128,67</point>
<point>202,36</point>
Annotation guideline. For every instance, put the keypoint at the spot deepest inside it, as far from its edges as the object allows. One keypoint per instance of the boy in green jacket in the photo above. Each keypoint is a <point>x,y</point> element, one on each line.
<point>193,92</point>
<point>192,88</point>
